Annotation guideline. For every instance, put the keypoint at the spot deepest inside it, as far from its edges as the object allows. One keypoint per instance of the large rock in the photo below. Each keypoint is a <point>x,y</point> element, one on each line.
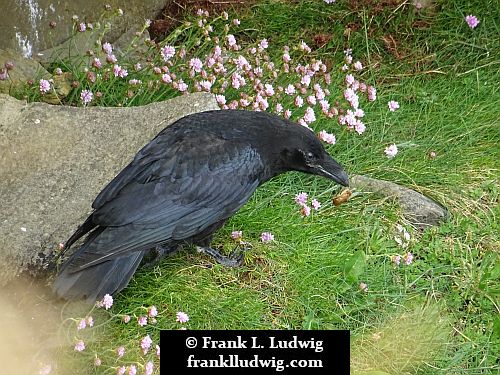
<point>25,25</point>
<point>54,160</point>
<point>421,211</point>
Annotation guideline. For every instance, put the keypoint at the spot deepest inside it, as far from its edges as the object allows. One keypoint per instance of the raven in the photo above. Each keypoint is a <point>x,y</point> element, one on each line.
<point>180,188</point>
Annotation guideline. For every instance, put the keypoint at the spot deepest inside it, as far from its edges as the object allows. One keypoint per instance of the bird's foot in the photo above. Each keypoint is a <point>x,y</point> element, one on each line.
<point>157,253</point>
<point>235,259</point>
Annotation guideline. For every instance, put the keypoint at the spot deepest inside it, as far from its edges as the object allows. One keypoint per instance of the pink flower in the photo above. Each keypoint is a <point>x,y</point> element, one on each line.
<point>44,86</point>
<point>286,58</point>
<point>236,22</point>
<point>107,48</point>
<point>299,102</point>
<point>279,108</point>
<point>372,93</point>
<point>290,90</point>
<point>206,85</point>
<point>329,1</point>
<point>146,344</point>
<point>237,81</point>
<point>305,210</point>
<point>82,27</point>
<point>263,44</point>
<point>158,350</point>
<point>79,346</point>
<point>106,302</point>
<point>148,369</point>
<point>221,99</point>
<point>82,324</point>
<point>111,58</point>
<point>391,151</point>
<point>358,66</point>
<point>231,40</point>
<point>242,63</point>
<point>287,114</point>
<point>301,198</point>
<point>359,113</point>
<point>142,320</point>
<point>96,63</point>
<point>266,237</point>
<point>261,103</point>
<point>315,204</point>
<point>132,370</point>
<point>305,80</point>
<point>120,351</point>
<point>126,318</point>
<point>116,70</point>
<point>304,47</point>
<point>363,287</point>
<point>86,96</point>
<point>167,52</point>
<point>4,74</point>
<point>408,257</point>
<point>121,370</point>
<point>182,86</point>
<point>237,235</point>
<point>166,78</point>
<point>182,317</point>
<point>393,105</point>
<point>327,137</point>
<point>268,89</point>
<point>309,116</point>
<point>396,259</point>
<point>152,311</point>
<point>90,321</point>
<point>349,79</point>
<point>359,127</point>
<point>311,99</point>
<point>196,64</point>
<point>472,21</point>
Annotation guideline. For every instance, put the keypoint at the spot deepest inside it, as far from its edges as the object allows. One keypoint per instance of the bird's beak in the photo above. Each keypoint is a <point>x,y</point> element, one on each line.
<point>329,168</point>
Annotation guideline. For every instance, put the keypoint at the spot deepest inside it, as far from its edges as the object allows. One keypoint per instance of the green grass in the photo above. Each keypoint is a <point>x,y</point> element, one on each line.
<point>445,77</point>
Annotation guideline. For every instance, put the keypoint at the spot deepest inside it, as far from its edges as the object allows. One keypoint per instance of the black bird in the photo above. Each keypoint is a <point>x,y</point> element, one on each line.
<point>180,188</point>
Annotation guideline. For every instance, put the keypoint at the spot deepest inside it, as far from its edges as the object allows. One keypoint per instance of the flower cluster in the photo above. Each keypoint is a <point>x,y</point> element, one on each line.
<point>145,343</point>
<point>407,258</point>
<point>301,200</point>
<point>403,239</point>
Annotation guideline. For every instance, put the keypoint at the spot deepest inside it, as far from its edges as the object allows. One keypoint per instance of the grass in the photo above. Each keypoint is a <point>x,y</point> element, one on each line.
<point>444,76</point>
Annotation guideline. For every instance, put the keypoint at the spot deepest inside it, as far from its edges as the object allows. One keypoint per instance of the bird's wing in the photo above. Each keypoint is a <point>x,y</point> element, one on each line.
<point>172,192</point>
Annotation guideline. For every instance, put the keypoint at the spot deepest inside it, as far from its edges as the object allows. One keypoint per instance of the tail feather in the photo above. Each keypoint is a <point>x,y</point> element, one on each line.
<point>82,230</point>
<point>94,282</point>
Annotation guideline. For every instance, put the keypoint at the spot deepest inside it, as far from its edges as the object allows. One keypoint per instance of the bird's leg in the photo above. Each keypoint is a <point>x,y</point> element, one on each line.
<point>235,259</point>
<point>159,251</point>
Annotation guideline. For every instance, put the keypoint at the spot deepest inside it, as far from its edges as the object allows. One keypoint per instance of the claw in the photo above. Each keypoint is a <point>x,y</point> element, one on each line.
<point>235,259</point>
<point>158,252</point>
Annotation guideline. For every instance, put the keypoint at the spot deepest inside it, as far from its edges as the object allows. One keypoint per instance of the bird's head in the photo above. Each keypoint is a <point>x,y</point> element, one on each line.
<point>305,153</point>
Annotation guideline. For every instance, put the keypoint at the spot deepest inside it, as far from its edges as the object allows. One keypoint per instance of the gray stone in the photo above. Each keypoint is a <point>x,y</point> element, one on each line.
<point>417,208</point>
<point>54,160</point>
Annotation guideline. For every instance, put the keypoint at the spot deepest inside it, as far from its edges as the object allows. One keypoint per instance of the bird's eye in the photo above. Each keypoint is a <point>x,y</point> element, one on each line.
<point>310,155</point>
